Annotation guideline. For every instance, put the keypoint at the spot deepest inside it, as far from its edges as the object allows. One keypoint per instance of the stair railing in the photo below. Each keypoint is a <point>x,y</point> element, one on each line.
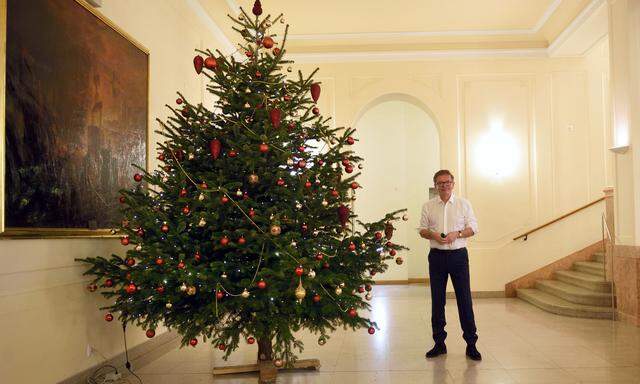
<point>605,230</point>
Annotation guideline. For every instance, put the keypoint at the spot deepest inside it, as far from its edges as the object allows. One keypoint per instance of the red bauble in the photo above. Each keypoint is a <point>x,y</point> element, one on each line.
<point>264,148</point>
<point>150,333</point>
<point>108,317</point>
<point>224,241</point>
<point>292,125</point>
<point>204,185</point>
<point>222,347</point>
<point>197,256</point>
<point>130,262</point>
<point>371,330</point>
<point>137,177</point>
<point>211,63</point>
<point>214,147</point>
<point>198,62</point>
<point>242,240</point>
<point>320,162</point>
<point>343,212</point>
<point>160,289</point>
<point>319,256</point>
<point>219,295</point>
<point>233,153</point>
<point>304,227</point>
<point>352,312</point>
<point>181,265</point>
<point>325,265</point>
<point>348,169</point>
<point>131,288</point>
<point>252,213</point>
<point>360,289</point>
<point>354,185</point>
<point>368,288</point>
<point>307,184</point>
<point>140,232</point>
<point>316,298</point>
<point>159,261</point>
<point>316,111</point>
<point>262,284</point>
<point>193,342</point>
<point>275,115</point>
<point>121,199</point>
<point>248,53</point>
<point>302,164</point>
<point>164,228</point>
<point>315,92</point>
<point>301,148</point>
<point>258,75</point>
<point>224,199</point>
<point>378,236</point>
<point>352,246</point>
<point>186,209</point>
<point>280,182</point>
<point>350,140</point>
<point>108,283</point>
<point>178,101</point>
<point>257,8</point>
<point>124,240</point>
<point>161,157</point>
<point>183,193</point>
<point>335,193</point>
<point>346,162</point>
<point>276,51</point>
<point>251,340</point>
<point>299,271</point>
<point>287,97</point>
<point>267,42</point>
<point>392,252</point>
<point>179,154</point>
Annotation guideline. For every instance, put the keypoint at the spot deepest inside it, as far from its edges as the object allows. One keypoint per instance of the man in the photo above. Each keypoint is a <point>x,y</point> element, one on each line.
<point>447,221</point>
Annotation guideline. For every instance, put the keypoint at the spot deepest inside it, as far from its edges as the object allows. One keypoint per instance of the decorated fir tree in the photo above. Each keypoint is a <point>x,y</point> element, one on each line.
<point>246,232</point>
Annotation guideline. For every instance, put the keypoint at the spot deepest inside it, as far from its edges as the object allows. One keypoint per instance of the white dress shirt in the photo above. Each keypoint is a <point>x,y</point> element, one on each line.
<point>454,215</point>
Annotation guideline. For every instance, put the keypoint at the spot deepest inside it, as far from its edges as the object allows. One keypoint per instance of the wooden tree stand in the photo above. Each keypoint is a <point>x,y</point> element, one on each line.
<point>265,366</point>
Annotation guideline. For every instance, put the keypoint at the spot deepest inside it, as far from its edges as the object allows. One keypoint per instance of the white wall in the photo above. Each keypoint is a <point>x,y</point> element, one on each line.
<point>47,318</point>
<point>549,155</point>
<point>401,145</point>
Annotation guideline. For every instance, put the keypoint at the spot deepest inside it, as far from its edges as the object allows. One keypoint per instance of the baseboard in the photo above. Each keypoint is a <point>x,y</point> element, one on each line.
<point>403,282</point>
<point>139,356</point>
<point>480,294</point>
<point>421,280</point>
<point>546,272</point>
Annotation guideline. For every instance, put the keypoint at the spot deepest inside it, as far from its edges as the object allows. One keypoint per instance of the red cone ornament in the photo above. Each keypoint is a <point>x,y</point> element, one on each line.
<point>257,8</point>
<point>388,230</point>
<point>315,92</point>
<point>275,115</point>
<point>198,62</point>
<point>343,214</point>
<point>215,146</point>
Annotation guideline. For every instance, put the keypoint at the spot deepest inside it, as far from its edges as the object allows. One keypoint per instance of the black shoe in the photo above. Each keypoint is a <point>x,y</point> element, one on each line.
<point>473,353</point>
<point>437,350</point>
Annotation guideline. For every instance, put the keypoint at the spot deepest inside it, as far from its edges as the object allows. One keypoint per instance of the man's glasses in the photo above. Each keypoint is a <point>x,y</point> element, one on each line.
<point>443,183</point>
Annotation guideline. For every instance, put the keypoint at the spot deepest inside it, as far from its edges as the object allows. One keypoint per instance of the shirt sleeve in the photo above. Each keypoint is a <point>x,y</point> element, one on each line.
<point>424,218</point>
<point>470,218</point>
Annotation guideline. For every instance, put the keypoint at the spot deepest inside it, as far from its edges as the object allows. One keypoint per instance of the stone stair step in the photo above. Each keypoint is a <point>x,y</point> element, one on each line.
<point>592,267</point>
<point>585,280</point>
<point>599,257</point>
<point>560,306</point>
<point>574,293</point>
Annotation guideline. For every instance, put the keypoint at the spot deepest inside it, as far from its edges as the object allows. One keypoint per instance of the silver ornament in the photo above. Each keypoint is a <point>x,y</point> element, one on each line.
<point>334,166</point>
<point>338,291</point>
<point>168,305</point>
<point>224,275</point>
<point>405,217</point>
<point>341,285</point>
<point>312,274</point>
<point>289,162</point>
<point>201,197</point>
<point>239,193</point>
<point>183,287</point>
<point>325,203</point>
<point>139,247</point>
<point>298,205</point>
<point>191,156</point>
<point>367,296</point>
<point>247,90</point>
<point>245,293</point>
<point>202,222</point>
<point>247,105</point>
<point>294,244</point>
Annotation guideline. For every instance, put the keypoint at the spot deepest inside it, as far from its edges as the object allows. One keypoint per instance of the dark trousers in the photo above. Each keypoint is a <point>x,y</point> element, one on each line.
<point>443,263</point>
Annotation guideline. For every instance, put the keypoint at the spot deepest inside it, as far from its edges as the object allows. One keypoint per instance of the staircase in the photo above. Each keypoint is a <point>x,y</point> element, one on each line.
<point>579,292</point>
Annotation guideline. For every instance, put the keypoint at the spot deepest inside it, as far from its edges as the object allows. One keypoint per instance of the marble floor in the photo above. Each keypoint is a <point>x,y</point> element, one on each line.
<point>519,344</point>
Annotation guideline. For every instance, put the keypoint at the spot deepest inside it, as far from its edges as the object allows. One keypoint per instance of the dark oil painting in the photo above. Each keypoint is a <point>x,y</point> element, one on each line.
<point>76,116</point>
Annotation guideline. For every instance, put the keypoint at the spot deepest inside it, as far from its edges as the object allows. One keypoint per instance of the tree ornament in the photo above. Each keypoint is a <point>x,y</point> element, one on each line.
<point>233,153</point>
<point>198,62</point>
<point>108,283</point>
<point>294,244</point>
<point>193,342</point>
<point>352,312</point>
<point>311,274</point>
<point>160,289</point>
<point>250,340</point>
<point>92,287</point>
<point>316,111</point>
<point>245,293</point>
<point>178,101</point>
<point>325,203</point>
<point>108,317</point>
<point>150,333</point>
<point>299,270</point>
<point>343,213</point>
<point>278,363</point>
<point>197,256</point>
<point>350,140</point>
<point>275,230</point>
<point>249,53</point>
<point>159,261</point>
<point>371,330</point>
<point>352,246</point>
<point>275,116</point>
<point>300,292</point>
<point>367,297</point>
<point>338,291</point>
<point>164,228</point>
<point>224,199</point>
<point>201,197</point>
<point>319,256</point>
<point>392,252</point>
<point>315,92</point>
<point>242,240</point>
<point>307,184</point>
<point>224,275</point>
<point>238,192</point>
<point>130,262</point>
<point>137,177</point>
<point>322,341</point>
<point>399,260</point>
<point>267,42</point>
<point>348,169</point>
<point>289,69</point>
<point>259,75</point>
<point>257,8</point>
<point>388,230</point>
<point>298,205</point>
<point>219,295</point>
<point>124,240</point>
<point>183,287</point>
<point>181,265</point>
<point>131,288</point>
<point>186,210</point>
<point>191,156</point>
<point>253,179</point>
<point>224,241</point>
<point>280,182</point>
<point>354,185</point>
<point>191,290</point>
<point>264,147</point>
<point>215,146</point>
<point>276,51</point>
<point>252,213</point>
<point>211,63</point>
<point>342,285</point>
<point>168,305</point>
<point>183,192</point>
<point>316,298</point>
<point>202,222</point>
<point>262,284</point>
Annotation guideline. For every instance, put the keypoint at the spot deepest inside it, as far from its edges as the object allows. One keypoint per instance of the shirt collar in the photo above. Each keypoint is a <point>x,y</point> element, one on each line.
<point>450,198</point>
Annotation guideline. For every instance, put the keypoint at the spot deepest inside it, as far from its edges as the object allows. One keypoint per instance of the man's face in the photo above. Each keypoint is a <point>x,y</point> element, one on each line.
<point>444,184</point>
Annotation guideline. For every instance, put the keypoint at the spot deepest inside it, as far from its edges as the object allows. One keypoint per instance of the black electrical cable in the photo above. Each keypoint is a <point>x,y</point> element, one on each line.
<point>126,353</point>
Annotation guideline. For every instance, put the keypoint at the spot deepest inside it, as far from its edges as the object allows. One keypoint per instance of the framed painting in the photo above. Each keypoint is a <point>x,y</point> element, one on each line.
<point>73,117</point>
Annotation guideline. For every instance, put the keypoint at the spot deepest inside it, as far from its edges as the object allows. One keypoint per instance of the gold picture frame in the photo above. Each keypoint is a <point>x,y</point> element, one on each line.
<point>99,30</point>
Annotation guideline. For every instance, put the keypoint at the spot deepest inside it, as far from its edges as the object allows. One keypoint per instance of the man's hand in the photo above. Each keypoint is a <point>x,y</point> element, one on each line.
<point>451,237</point>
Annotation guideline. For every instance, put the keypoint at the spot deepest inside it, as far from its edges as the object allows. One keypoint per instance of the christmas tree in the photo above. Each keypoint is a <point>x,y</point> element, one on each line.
<point>246,232</point>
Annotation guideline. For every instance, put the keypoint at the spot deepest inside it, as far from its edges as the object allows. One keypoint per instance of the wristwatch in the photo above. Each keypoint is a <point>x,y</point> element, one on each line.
<point>460,235</point>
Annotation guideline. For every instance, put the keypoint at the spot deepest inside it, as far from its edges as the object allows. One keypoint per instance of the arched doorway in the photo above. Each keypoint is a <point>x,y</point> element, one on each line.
<point>400,142</point>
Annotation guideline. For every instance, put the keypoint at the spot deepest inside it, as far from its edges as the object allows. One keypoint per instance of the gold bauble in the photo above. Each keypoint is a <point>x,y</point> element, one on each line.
<point>322,340</point>
<point>168,305</point>
<point>253,178</point>
<point>338,291</point>
<point>183,287</point>
<point>275,230</point>
<point>202,222</point>
<point>399,260</point>
<point>300,292</point>
<point>191,290</point>
<point>278,363</point>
